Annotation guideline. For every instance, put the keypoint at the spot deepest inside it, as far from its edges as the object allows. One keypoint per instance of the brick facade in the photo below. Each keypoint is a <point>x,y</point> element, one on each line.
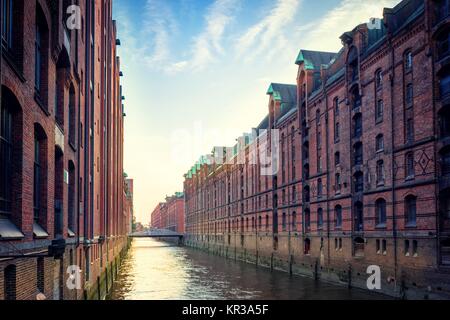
<point>170,214</point>
<point>61,87</point>
<point>363,164</point>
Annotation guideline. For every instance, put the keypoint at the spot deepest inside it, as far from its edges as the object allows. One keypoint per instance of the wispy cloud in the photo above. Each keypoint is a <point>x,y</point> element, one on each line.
<point>324,34</point>
<point>159,26</point>
<point>269,33</point>
<point>208,44</point>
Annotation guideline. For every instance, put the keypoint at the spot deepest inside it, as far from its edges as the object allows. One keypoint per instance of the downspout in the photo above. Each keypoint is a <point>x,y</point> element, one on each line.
<point>86,121</point>
<point>435,134</point>
<point>394,218</point>
<point>328,170</point>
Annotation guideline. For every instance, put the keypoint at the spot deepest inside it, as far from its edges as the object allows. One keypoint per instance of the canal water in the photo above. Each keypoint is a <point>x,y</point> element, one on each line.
<point>155,270</point>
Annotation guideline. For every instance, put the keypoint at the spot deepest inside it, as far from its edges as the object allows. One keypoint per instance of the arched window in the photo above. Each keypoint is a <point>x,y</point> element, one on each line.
<point>72,125</point>
<point>359,216</point>
<point>307,194</point>
<point>294,221</point>
<point>6,158</point>
<point>10,282</point>
<point>320,218</point>
<point>357,125</point>
<point>336,106</point>
<point>284,221</point>
<point>338,216</point>
<point>337,158</point>
<point>378,79</point>
<point>40,174</point>
<point>72,197</point>
<point>408,61</point>
<point>358,154</point>
<point>267,222</point>
<point>337,132</point>
<point>307,219</point>
<point>41,57</point>
<point>338,182</point>
<point>307,246</point>
<point>259,222</point>
<point>358,181</point>
<point>380,210</point>
<point>380,171</point>
<point>379,111</point>
<point>379,144</point>
<point>11,37</point>
<point>318,117</point>
<point>409,95</point>
<point>319,188</point>
<point>410,210</point>
<point>409,159</point>
<point>356,97</point>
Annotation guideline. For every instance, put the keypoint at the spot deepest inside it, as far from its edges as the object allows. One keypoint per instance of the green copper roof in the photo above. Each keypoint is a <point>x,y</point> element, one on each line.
<point>276,94</point>
<point>314,59</point>
<point>301,59</point>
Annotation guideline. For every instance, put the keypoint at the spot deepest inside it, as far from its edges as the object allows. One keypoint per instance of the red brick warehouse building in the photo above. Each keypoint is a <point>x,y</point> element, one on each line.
<point>61,160</point>
<point>364,161</point>
<point>170,214</point>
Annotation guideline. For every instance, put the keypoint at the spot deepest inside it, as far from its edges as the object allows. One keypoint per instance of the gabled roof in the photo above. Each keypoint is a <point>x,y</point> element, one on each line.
<point>286,93</point>
<point>264,124</point>
<point>314,59</point>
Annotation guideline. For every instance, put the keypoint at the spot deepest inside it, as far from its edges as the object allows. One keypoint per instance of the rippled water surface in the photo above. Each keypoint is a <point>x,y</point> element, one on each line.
<point>156,270</point>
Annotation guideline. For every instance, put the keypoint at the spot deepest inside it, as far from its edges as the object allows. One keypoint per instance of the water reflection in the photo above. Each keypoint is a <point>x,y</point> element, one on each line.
<point>155,270</point>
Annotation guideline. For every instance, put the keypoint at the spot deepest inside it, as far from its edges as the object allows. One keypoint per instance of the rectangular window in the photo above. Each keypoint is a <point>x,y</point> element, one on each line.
<point>7,24</point>
<point>380,110</point>
<point>409,130</point>
<point>37,181</point>
<point>409,95</point>
<point>6,166</point>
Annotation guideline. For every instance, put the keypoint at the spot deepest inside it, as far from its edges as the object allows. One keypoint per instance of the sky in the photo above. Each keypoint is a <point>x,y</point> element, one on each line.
<point>196,74</point>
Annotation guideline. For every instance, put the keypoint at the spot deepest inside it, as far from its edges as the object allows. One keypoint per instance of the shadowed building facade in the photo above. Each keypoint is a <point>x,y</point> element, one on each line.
<point>61,138</point>
<point>363,164</point>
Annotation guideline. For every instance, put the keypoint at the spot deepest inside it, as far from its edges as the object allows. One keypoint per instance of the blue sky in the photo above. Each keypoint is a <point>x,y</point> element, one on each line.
<point>197,72</point>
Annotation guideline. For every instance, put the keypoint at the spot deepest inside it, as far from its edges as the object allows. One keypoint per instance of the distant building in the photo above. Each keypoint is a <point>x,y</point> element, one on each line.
<point>170,214</point>
<point>128,204</point>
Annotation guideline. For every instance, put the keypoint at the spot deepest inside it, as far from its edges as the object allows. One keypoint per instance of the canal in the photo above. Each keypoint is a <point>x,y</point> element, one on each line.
<point>155,270</point>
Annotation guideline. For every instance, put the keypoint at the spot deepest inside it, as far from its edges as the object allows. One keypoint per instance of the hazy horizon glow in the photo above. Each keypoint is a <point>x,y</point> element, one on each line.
<point>198,72</point>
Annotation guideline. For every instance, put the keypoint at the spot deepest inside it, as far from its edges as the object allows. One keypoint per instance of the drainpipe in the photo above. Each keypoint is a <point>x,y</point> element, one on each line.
<point>435,134</point>
<point>394,218</point>
<point>327,137</point>
<point>86,121</point>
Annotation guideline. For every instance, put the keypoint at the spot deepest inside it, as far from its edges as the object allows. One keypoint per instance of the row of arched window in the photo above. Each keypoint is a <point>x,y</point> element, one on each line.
<point>252,224</point>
